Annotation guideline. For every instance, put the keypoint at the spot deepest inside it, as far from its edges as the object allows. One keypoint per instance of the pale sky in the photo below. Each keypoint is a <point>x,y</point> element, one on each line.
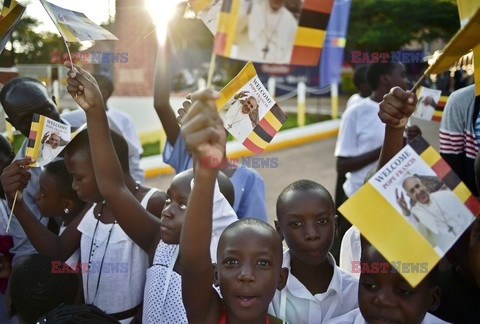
<point>96,10</point>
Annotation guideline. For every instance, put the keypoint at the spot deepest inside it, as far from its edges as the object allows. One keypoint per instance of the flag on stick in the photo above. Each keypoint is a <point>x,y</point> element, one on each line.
<point>11,13</point>
<point>248,111</point>
<point>75,26</point>
<point>413,229</point>
<point>261,32</point>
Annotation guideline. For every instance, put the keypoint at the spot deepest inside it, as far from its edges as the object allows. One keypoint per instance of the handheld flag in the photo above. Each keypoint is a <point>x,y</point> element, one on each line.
<point>46,140</point>
<point>269,33</point>
<point>248,111</point>
<point>413,227</point>
<point>11,13</point>
<point>75,26</point>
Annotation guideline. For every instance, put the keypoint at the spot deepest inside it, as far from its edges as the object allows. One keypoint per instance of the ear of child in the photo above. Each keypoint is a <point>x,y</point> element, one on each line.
<point>397,106</point>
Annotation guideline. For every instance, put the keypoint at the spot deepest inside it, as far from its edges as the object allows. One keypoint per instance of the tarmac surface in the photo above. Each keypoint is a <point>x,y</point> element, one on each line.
<point>314,161</point>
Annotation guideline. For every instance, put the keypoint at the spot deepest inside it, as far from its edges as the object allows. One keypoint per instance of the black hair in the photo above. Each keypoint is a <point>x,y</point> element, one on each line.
<point>5,147</point>
<point>63,178</point>
<point>105,83</point>
<point>432,276</point>
<point>76,314</point>
<point>224,184</point>
<point>252,223</point>
<point>360,76</point>
<point>376,70</point>
<point>81,143</point>
<point>226,188</point>
<point>35,290</point>
<point>28,100</point>
<point>303,185</point>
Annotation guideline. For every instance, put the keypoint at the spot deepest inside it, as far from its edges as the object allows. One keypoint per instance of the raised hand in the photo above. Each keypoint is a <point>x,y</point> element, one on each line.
<point>183,111</point>
<point>45,137</point>
<point>241,94</point>
<point>202,128</point>
<point>83,88</point>
<point>397,106</point>
<point>15,178</point>
<point>402,202</point>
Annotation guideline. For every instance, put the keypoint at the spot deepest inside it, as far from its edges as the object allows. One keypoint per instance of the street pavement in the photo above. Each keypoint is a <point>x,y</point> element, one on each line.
<point>313,161</point>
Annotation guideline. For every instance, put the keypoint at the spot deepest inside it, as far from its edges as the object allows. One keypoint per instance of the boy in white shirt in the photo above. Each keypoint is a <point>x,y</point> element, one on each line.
<point>316,289</point>
<point>386,297</point>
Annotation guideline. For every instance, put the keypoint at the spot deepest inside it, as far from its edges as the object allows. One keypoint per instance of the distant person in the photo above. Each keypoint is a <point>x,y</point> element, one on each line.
<point>21,98</point>
<point>362,85</point>
<point>266,31</point>
<point>460,134</point>
<point>361,133</point>
<point>248,184</point>
<point>118,121</point>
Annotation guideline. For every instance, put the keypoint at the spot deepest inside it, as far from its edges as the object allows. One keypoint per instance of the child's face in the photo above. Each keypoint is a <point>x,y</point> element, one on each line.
<point>84,183</point>
<point>388,298</point>
<point>249,270</point>
<point>48,197</point>
<point>173,213</point>
<point>307,223</point>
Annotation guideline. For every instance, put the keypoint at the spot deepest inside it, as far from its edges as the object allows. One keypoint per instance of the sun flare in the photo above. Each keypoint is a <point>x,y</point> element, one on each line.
<point>161,12</point>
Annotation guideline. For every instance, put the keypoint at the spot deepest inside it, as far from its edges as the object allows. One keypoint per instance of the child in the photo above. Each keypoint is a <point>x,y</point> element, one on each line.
<point>249,254</point>
<point>384,296</point>
<point>317,290</point>
<point>111,261</point>
<point>158,237</point>
<point>248,184</point>
<point>34,290</point>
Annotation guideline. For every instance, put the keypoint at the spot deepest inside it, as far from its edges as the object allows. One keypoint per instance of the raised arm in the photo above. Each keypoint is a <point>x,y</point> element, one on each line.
<point>14,178</point>
<point>161,94</point>
<point>395,109</point>
<point>204,136</point>
<point>139,224</point>
<point>354,163</point>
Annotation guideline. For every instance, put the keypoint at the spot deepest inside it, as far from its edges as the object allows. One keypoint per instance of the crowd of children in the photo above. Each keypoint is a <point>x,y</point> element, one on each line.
<point>202,251</point>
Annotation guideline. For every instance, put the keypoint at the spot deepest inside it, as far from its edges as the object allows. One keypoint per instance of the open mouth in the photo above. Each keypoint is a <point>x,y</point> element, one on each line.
<point>246,301</point>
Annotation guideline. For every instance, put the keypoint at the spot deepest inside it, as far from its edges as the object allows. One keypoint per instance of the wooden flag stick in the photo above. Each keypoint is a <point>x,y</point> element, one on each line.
<point>68,50</point>
<point>11,211</point>
<point>211,69</point>
<point>418,83</point>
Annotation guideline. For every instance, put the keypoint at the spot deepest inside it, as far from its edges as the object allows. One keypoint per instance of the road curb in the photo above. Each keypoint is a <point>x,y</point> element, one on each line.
<point>154,165</point>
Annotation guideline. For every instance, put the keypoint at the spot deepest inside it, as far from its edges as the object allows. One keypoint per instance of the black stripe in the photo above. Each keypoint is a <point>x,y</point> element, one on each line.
<point>7,3</point>
<point>227,6</point>
<point>451,180</point>
<point>278,113</point>
<point>31,142</point>
<point>262,134</point>
<point>36,118</point>
<point>314,19</point>
<point>419,145</point>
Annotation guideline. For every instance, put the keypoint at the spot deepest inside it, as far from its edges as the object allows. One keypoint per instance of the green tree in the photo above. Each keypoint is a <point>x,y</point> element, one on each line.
<point>387,25</point>
<point>30,47</point>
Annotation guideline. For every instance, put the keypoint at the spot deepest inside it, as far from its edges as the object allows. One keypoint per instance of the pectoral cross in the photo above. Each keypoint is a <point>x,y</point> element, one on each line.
<point>265,51</point>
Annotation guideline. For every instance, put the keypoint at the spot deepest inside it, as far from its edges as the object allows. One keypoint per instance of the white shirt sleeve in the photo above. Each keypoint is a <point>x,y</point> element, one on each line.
<point>347,136</point>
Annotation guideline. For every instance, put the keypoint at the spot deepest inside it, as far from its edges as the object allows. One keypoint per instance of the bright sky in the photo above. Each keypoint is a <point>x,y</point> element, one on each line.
<point>96,10</point>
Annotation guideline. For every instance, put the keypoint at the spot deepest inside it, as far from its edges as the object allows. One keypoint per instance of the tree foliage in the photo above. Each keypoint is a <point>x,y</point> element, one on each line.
<point>30,47</point>
<point>387,25</point>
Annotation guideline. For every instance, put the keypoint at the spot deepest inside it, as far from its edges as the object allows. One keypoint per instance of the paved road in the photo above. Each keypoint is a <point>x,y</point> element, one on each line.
<point>314,161</point>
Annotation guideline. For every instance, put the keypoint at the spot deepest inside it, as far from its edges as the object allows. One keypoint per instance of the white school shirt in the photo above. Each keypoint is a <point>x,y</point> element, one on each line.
<point>361,131</point>
<point>302,307</point>
<point>350,250</point>
<point>355,317</point>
